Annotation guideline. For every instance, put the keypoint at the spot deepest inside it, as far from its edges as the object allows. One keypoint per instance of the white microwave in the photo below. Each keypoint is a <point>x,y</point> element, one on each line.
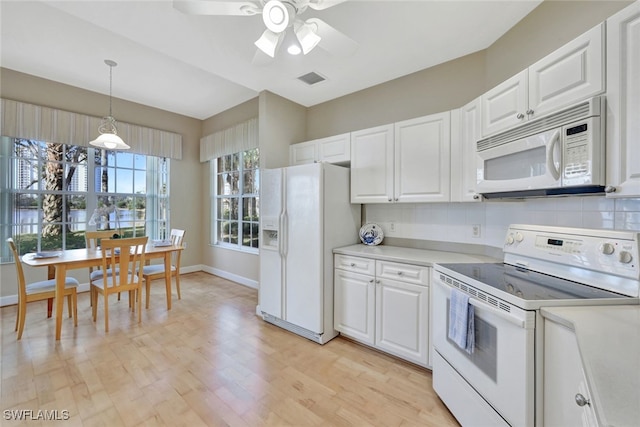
<point>559,154</point>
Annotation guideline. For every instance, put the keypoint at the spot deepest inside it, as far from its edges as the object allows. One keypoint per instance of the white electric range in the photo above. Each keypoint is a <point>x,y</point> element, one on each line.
<point>499,382</point>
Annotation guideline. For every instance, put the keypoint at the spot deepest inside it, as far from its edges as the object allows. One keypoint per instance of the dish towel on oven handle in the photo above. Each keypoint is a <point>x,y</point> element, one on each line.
<point>461,321</point>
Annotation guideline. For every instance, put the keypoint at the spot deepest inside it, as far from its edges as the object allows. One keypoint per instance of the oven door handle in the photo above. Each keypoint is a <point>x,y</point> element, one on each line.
<point>499,313</point>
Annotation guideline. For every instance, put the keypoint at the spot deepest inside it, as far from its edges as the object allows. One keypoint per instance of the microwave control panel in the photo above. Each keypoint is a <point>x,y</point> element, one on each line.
<point>578,152</point>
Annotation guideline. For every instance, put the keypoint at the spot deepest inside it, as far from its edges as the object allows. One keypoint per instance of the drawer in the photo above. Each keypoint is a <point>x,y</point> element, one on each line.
<point>407,273</point>
<point>356,264</point>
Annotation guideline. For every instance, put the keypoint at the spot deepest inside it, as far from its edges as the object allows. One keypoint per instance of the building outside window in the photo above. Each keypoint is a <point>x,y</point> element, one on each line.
<point>52,193</point>
<point>236,187</point>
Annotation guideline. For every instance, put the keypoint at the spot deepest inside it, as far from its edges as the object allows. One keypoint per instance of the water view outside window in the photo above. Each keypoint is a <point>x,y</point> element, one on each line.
<point>236,199</point>
<point>52,193</point>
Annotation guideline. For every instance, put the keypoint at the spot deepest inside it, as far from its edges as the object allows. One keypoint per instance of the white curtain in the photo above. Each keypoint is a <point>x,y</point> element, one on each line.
<point>241,137</point>
<point>29,121</point>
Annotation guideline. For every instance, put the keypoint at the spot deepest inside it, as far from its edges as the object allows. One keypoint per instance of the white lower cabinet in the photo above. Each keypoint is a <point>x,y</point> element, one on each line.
<point>567,401</point>
<point>383,304</point>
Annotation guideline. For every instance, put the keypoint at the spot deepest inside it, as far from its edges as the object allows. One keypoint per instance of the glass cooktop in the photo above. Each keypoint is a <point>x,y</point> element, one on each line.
<point>526,284</point>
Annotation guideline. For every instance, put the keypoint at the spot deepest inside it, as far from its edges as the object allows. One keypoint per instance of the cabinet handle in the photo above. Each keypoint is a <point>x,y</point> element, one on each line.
<point>581,400</point>
<point>390,199</point>
<point>520,116</point>
<point>529,112</point>
<point>476,197</point>
<point>399,273</point>
<point>371,281</point>
<point>377,281</point>
<point>353,264</point>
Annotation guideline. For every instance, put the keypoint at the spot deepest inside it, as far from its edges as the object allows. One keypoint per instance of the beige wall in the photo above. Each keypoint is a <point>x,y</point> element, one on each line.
<point>453,84</point>
<point>235,265</point>
<point>186,206</point>
<point>282,122</point>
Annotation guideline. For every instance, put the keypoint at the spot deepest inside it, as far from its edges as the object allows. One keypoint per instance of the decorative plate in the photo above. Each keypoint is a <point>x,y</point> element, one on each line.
<point>371,234</point>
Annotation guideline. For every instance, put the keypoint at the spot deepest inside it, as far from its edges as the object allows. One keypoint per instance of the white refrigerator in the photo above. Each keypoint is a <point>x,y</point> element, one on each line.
<point>305,212</point>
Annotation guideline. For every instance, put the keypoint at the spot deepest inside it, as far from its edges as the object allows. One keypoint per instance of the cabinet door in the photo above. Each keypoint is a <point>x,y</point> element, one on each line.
<point>623,101</point>
<point>303,152</point>
<point>505,105</point>
<point>422,156</point>
<point>354,305</point>
<point>564,379</point>
<point>465,133</point>
<point>570,74</point>
<point>372,165</point>
<point>335,149</point>
<point>402,325</point>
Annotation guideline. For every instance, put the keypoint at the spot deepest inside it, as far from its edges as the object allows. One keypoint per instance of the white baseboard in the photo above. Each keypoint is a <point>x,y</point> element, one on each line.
<point>230,276</point>
<point>84,287</point>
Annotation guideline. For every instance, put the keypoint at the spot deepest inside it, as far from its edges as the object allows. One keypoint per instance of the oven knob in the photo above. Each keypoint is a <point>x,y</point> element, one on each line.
<point>607,248</point>
<point>519,237</point>
<point>510,239</point>
<point>625,257</point>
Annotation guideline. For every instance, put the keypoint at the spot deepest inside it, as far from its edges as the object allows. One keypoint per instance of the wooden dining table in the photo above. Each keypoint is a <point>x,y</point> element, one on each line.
<point>82,258</point>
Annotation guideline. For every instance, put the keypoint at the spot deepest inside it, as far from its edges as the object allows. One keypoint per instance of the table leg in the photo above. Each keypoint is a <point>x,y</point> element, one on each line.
<point>51,274</point>
<point>167,277</point>
<point>61,273</point>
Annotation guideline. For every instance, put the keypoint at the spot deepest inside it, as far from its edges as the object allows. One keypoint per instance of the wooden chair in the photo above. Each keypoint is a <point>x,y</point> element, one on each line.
<point>92,240</point>
<point>39,291</point>
<point>156,271</point>
<point>126,258</point>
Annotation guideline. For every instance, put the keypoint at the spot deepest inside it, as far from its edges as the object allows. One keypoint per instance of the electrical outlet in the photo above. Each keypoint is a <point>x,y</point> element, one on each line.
<point>475,230</point>
<point>392,226</point>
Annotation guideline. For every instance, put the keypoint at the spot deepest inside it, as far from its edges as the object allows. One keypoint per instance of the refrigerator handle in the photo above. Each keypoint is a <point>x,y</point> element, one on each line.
<point>282,240</point>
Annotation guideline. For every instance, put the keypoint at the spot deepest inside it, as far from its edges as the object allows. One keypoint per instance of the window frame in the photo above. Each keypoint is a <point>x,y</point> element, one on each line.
<point>240,196</point>
<point>156,195</point>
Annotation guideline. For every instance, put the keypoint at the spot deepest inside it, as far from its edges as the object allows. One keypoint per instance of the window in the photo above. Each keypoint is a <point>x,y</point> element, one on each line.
<point>52,193</point>
<point>236,184</point>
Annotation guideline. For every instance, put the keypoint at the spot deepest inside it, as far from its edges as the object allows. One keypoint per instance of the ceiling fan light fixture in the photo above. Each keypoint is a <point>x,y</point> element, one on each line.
<point>276,16</point>
<point>307,37</point>
<point>108,138</point>
<point>268,43</point>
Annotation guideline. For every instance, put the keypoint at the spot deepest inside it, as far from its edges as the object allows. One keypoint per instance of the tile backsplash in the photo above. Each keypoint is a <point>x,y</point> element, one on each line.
<point>455,222</point>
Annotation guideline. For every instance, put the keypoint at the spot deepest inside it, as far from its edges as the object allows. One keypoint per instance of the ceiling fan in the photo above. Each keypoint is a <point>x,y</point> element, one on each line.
<point>281,17</point>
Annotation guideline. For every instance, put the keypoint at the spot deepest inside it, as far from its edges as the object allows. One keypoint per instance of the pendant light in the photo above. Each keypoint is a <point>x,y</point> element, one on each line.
<point>108,138</point>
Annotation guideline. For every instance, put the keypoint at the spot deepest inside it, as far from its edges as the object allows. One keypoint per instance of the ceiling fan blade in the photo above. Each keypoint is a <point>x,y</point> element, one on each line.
<point>323,4</point>
<point>332,40</point>
<point>204,7</point>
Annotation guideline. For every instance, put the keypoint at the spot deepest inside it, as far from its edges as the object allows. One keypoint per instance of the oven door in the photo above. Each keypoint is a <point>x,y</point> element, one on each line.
<point>500,370</point>
<point>525,164</point>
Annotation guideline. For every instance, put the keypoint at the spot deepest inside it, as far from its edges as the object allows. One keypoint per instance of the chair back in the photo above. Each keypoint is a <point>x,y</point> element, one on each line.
<point>125,257</point>
<point>22,284</point>
<point>92,238</point>
<point>176,237</point>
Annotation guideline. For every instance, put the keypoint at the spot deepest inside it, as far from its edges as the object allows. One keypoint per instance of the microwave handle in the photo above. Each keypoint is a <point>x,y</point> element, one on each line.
<point>555,139</point>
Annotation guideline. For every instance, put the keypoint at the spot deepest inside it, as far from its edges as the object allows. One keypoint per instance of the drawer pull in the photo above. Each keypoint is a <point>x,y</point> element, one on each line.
<point>400,273</point>
<point>353,264</point>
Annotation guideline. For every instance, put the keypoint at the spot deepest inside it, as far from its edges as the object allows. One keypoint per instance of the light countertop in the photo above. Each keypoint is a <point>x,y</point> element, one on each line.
<point>424,257</point>
<point>609,343</point>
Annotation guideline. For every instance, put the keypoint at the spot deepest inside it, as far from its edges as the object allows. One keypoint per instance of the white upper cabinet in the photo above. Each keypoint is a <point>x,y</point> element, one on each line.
<point>332,149</point>
<point>465,132</point>
<point>422,159</point>
<point>372,165</point>
<point>403,162</point>
<point>570,74</point>
<point>623,100</point>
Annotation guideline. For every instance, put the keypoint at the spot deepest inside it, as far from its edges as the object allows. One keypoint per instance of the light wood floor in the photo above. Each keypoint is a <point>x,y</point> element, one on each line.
<point>208,361</point>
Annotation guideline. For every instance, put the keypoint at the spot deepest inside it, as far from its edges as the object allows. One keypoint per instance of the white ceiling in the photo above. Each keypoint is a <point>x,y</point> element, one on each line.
<point>199,66</point>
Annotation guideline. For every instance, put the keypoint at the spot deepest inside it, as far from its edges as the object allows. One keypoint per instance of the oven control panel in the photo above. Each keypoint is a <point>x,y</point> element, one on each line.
<point>606,251</point>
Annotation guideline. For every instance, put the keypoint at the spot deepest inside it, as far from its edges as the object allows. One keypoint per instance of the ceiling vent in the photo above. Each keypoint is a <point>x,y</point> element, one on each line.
<point>312,78</point>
